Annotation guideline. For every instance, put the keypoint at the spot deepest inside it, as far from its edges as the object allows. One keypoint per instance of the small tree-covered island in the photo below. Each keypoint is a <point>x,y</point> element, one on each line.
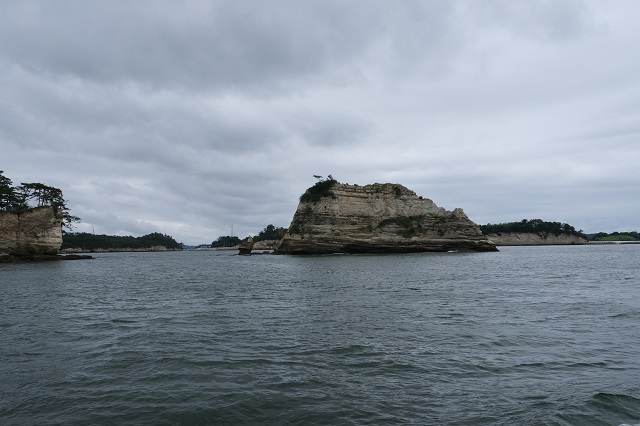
<point>333,217</point>
<point>266,239</point>
<point>32,216</point>
<point>630,236</point>
<point>533,232</point>
<point>83,242</point>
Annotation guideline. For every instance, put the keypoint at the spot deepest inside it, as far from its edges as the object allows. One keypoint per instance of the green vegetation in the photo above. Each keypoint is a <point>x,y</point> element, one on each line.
<point>29,195</point>
<point>444,219</point>
<point>532,226</point>
<point>295,229</point>
<point>318,191</point>
<point>402,221</point>
<point>270,232</point>
<point>85,241</point>
<point>615,236</point>
<point>226,241</point>
<point>406,222</point>
<point>8,197</point>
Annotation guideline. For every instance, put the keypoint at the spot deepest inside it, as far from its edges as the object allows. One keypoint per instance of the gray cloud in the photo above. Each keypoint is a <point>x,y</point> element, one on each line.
<point>225,45</point>
<point>545,20</point>
<point>188,119</point>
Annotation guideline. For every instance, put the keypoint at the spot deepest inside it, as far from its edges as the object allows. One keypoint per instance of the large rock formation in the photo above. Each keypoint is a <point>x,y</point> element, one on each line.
<point>379,218</point>
<point>534,239</point>
<point>31,233</point>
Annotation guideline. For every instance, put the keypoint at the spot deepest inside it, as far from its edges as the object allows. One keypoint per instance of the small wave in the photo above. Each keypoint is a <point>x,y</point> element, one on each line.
<point>450,315</point>
<point>614,397</point>
<point>618,404</point>
<point>350,350</point>
<point>124,321</point>
<point>533,365</point>
<point>624,315</point>
<point>383,366</point>
<point>588,364</point>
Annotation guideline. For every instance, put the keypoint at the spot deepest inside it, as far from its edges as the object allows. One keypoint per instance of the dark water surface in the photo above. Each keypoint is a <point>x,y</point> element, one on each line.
<point>530,335</point>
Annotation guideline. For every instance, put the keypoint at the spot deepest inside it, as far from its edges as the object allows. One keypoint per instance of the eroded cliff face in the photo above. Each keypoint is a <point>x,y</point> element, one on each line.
<point>534,239</point>
<point>378,218</point>
<point>30,233</point>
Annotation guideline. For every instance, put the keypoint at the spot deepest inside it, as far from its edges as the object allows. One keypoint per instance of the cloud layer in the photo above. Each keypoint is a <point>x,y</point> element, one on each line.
<point>189,117</point>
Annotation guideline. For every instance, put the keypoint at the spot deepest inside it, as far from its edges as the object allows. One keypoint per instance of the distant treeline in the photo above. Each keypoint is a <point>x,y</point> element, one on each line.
<point>85,241</point>
<point>270,232</point>
<point>615,236</point>
<point>531,226</point>
<point>226,241</point>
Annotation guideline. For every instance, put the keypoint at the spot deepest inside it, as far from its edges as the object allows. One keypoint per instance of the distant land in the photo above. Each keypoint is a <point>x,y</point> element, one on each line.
<point>523,232</point>
<point>615,236</point>
<point>86,242</point>
<point>532,226</point>
<point>268,235</point>
<point>554,232</point>
<point>539,232</point>
<point>533,232</point>
<point>271,235</point>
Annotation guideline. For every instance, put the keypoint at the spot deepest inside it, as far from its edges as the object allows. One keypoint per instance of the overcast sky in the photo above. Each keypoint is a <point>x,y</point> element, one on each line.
<point>189,117</point>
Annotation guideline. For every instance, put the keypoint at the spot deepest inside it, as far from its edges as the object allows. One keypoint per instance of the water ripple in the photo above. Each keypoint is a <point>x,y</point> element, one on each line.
<point>524,336</point>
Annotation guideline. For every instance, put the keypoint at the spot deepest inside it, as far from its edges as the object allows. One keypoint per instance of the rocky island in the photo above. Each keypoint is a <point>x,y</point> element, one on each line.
<point>31,234</point>
<point>533,232</point>
<point>379,218</point>
<point>32,216</point>
<point>535,239</point>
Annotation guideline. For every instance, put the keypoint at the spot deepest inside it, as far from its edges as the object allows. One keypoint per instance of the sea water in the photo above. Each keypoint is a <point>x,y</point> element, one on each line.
<point>529,335</point>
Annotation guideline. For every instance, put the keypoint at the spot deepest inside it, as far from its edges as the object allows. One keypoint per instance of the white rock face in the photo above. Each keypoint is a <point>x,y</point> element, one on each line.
<point>378,218</point>
<point>33,232</point>
<point>534,239</point>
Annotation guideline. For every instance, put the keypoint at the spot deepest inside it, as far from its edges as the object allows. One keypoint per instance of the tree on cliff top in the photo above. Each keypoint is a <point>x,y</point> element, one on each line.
<point>29,195</point>
<point>8,199</point>
<point>321,189</point>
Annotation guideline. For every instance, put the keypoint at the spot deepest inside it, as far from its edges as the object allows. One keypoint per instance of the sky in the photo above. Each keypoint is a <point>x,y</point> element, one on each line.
<point>199,119</point>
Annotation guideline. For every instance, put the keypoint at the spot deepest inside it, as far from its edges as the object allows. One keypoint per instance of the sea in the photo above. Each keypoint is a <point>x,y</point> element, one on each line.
<point>525,336</point>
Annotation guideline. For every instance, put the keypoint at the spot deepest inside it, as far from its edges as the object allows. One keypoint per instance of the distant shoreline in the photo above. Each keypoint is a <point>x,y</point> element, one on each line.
<point>116,250</point>
<point>613,242</point>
